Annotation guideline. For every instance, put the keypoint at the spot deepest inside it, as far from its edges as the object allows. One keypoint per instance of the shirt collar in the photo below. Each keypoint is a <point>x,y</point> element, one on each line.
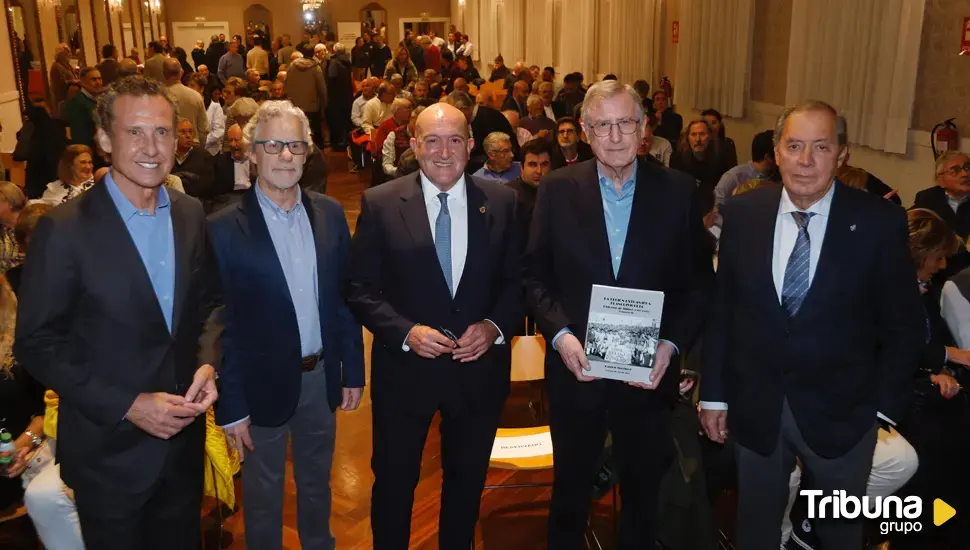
<point>124,206</point>
<point>91,97</point>
<point>458,192</point>
<point>608,183</point>
<point>820,208</point>
<point>267,203</point>
<point>954,200</point>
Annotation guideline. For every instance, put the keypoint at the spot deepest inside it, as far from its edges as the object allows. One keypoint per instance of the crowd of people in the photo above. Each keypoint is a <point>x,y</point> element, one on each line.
<point>173,229</point>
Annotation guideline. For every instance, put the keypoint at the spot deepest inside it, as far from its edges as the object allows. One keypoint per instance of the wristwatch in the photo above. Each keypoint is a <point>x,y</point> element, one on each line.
<point>35,439</point>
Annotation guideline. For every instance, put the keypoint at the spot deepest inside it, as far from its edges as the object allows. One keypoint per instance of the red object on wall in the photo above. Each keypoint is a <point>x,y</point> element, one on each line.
<point>675,29</point>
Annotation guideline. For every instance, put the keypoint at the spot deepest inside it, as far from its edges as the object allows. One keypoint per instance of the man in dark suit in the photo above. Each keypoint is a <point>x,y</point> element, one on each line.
<point>234,173</point>
<point>535,165</point>
<point>112,305</point>
<point>516,99</point>
<point>483,120</point>
<point>435,277</point>
<point>553,109</point>
<point>814,333</point>
<point>625,223</point>
<point>570,148</point>
<point>950,199</point>
<point>109,67</point>
<point>669,123</point>
<point>292,352</point>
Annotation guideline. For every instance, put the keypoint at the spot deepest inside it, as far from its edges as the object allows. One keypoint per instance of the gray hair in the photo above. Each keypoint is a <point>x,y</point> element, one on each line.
<point>270,110</point>
<point>400,103</point>
<point>946,158</point>
<point>606,89</point>
<point>397,78</point>
<point>244,107</point>
<point>533,100</point>
<point>545,84</point>
<point>11,194</point>
<point>339,47</point>
<point>183,119</point>
<point>492,140</point>
<point>296,55</point>
<point>460,100</point>
<point>841,135</point>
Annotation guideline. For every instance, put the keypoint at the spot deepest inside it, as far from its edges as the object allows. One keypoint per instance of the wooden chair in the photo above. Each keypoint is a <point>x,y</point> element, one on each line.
<point>528,365</point>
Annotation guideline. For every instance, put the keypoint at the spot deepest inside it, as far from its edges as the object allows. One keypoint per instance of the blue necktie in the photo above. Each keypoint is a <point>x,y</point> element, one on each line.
<point>442,241</point>
<point>795,286</point>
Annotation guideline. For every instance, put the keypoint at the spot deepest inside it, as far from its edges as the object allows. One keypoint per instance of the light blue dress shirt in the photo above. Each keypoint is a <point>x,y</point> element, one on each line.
<point>511,174</point>
<point>295,247</point>
<point>154,238</point>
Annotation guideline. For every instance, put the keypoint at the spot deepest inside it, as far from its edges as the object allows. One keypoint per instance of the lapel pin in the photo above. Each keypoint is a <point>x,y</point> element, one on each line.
<point>852,227</point>
<point>482,210</point>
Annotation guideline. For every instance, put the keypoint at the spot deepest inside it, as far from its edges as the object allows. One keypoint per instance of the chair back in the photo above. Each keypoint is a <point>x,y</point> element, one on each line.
<point>528,358</point>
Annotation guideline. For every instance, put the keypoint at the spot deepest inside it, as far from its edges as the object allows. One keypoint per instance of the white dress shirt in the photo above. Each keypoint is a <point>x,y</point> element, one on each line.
<point>458,209</point>
<point>956,312</point>
<point>241,175</point>
<point>357,111</point>
<point>217,128</point>
<point>549,112</point>
<point>661,150</point>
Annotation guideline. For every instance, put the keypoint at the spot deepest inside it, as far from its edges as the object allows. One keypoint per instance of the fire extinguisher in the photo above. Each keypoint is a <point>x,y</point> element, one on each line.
<point>944,137</point>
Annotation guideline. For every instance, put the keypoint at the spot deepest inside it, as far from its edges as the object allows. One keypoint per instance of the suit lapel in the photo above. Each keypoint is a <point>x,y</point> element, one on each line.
<point>836,244</point>
<point>588,206</point>
<point>415,215</point>
<point>181,226</point>
<point>645,209</point>
<point>260,246</point>
<point>763,220</point>
<point>478,224</point>
<point>318,226</point>
<point>121,253</point>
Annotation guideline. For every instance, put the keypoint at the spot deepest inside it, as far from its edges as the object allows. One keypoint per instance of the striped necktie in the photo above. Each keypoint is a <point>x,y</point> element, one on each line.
<point>796,282</point>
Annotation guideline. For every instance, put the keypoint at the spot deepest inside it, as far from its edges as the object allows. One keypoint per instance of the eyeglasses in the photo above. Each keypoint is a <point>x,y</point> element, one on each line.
<point>273,147</point>
<point>956,170</point>
<point>626,126</point>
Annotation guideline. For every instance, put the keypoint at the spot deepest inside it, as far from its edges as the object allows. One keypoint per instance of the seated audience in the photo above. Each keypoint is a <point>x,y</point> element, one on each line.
<point>553,109</point>
<point>234,174</point>
<point>420,97</point>
<point>570,148</point>
<point>12,201</point>
<point>396,143</point>
<point>378,108</point>
<point>762,165</point>
<point>499,70</point>
<point>484,121</point>
<point>516,99</point>
<point>698,156</point>
<point>654,147</point>
<point>400,114</point>
<point>537,123</point>
<point>536,164</point>
<point>572,92</point>
<point>26,222</point>
<point>669,123</point>
<point>500,165</point>
<point>75,173</point>
<point>522,135</point>
<point>193,165</point>
<point>726,147</point>
<point>950,199</point>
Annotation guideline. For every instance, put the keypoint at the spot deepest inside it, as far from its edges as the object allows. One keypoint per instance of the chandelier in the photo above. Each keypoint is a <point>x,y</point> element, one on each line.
<point>311,5</point>
<point>115,5</point>
<point>48,3</point>
<point>155,6</point>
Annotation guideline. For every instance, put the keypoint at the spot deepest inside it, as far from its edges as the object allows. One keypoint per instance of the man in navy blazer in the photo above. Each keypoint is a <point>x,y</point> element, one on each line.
<point>291,351</point>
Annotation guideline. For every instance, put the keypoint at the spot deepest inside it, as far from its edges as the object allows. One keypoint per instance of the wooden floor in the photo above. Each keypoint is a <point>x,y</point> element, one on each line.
<point>510,518</point>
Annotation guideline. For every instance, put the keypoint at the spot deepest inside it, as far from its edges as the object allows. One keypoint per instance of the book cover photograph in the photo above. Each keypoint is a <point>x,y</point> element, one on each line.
<point>623,332</point>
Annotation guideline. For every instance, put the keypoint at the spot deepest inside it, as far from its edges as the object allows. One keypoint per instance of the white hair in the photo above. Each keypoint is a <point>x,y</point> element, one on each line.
<point>400,103</point>
<point>339,47</point>
<point>244,107</point>
<point>270,110</point>
<point>319,47</point>
<point>533,100</point>
<point>946,158</point>
<point>296,55</point>
<point>606,89</point>
<point>495,138</point>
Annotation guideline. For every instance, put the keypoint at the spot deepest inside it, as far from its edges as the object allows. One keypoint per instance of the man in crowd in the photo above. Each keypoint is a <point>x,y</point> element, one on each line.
<point>669,123</point>
<point>421,94</point>
<point>761,166</point>
<point>537,123</point>
<point>483,121</point>
<point>215,51</point>
<point>109,66</point>
<point>516,100</point>
<point>277,91</point>
<point>572,91</point>
<point>697,156</point>
<point>131,383</point>
<point>439,288</point>
<point>231,92</point>
<point>499,70</point>
<point>570,148</point>
<point>193,165</point>
<point>340,92</point>
<point>536,164</point>
<point>234,173</point>
<point>367,88</point>
<point>397,142</point>
<point>431,54</point>
<point>231,64</point>
<point>191,105</point>
<point>500,165</point>
<point>292,352</point>
<point>655,146</point>
<point>400,114</point>
<point>211,80</point>
<point>554,110</point>
<point>307,89</point>
<point>950,197</point>
<point>127,67</point>
<point>644,230</point>
<point>378,108</point>
<point>153,64</point>
<point>258,59</point>
<point>80,109</point>
<point>848,296</point>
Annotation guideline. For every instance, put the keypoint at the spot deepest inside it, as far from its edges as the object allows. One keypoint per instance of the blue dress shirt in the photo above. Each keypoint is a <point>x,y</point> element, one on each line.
<point>511,174</point>
<point>154,238</point>
<point>296,249</point>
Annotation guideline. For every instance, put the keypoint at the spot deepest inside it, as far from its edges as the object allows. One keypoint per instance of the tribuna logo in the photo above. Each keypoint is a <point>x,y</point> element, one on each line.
<point>905,511</point>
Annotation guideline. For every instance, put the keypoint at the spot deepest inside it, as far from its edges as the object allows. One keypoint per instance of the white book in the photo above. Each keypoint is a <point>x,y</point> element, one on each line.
<point>623,332</point>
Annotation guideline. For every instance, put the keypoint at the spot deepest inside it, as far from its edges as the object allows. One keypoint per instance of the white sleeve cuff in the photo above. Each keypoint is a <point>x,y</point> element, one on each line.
<point>558,335</point>
<point>231,424</point>
<point>405,346</point>
<point>714,405</point>
<point>886,418</point>
<point>501,337</point>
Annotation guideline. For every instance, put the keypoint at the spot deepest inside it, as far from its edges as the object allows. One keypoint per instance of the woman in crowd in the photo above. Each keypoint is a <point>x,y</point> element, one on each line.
<point>401,65</point>
<point>12,201</point>
<point>75,175</point>
<point>726,147</point>
<point>940,411</point>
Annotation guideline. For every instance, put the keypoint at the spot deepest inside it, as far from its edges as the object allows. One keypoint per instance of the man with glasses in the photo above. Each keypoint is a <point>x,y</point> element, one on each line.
<point>500,165</point>
<point>292,352</point>
<point>434,275</point>
<point>571,149</point>
<point>950,199</point>
<point>621,222</point>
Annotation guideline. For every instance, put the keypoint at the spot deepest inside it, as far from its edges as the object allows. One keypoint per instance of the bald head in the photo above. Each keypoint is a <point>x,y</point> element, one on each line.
<point>460,85</point>
<point>520,91</point>
<point>171,70</point>
<point>438,114</point>
<point>441,144</point>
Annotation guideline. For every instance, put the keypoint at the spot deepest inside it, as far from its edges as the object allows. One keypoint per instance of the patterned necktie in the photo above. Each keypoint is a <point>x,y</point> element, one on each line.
<point>442,241</point>
<point>795,286</point>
